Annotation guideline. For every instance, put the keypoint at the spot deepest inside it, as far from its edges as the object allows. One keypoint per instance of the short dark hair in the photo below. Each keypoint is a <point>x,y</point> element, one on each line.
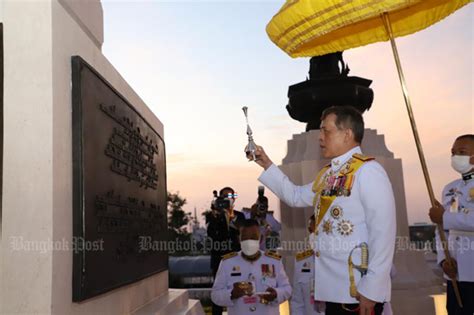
<point>249,223</point>
<point>224,189</point>
<point>466,137</point>
<point>347,117</point>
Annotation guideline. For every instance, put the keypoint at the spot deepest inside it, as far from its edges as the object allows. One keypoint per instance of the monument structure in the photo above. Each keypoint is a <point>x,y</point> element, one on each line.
<point>84,172</point>
<point>328,85</point>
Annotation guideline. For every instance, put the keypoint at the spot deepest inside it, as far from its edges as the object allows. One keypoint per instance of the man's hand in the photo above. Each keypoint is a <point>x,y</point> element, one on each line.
<point>366,306</point>
<point>238,291</point>
<point>215,213</point>
<point>254,211</point>
<point>262,158</point>
<point>450,270</point>
<point>271,296</point>
<point>436,213</point>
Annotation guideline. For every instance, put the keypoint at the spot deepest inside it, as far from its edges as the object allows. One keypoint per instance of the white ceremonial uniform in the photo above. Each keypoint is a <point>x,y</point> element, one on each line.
<point>458,218</point>
<point>267,271</point>
<point>366,215</point>
<point>302,300</point>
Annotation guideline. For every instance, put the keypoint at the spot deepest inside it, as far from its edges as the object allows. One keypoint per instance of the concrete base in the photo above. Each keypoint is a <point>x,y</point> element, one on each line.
<point>416,301</point>
<point>172,302</point>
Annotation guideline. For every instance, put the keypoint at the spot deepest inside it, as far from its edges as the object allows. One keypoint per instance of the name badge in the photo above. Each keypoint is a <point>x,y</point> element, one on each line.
<point>250,299</point>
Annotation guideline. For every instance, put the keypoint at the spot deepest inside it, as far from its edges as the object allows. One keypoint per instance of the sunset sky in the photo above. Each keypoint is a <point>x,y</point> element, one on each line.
<point>196,63</point>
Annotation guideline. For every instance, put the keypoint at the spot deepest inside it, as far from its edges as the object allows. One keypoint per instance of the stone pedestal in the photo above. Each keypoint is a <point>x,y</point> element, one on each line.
<point>39,39</point>
<point>414,278</point>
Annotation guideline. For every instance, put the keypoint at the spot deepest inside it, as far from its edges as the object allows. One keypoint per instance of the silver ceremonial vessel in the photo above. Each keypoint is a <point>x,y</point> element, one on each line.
<point>251,147</point>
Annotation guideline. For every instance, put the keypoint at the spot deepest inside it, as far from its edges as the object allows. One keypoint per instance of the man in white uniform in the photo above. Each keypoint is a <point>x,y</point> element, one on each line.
<point>355,210</point>
<point>302,300</point>
<point>456,213</point>
<point>251,281</point>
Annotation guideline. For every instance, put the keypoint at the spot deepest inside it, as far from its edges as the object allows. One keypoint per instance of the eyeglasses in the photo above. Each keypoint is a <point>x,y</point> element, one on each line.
<point>232,196</point>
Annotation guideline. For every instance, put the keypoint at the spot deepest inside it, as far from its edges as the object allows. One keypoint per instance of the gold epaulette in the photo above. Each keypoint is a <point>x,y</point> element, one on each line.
<point>273,254</point>
<point>229,255</point>
<point>363,158</point>
<point>305,254</point>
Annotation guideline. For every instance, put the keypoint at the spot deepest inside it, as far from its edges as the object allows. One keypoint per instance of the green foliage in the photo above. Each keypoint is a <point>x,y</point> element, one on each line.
<point>178,219</point>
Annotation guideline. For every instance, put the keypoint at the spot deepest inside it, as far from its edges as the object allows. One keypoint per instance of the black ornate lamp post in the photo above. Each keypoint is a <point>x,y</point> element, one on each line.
<point>328,85</point>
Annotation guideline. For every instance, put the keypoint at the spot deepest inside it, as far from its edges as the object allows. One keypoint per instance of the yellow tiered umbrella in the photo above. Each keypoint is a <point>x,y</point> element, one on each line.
<point>308,28</point>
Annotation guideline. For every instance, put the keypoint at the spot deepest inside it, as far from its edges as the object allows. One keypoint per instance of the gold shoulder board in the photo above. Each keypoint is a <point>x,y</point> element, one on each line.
<point>305,254</point>
<point>363,158</point>
<point>272,254</point>
<point>229,255</point>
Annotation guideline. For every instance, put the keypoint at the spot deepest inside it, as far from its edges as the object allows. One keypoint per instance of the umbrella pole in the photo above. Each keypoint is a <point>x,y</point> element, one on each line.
<point>442,235</point>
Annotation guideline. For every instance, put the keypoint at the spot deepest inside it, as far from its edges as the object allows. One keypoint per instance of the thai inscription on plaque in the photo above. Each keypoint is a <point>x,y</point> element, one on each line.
<point>119,182</point>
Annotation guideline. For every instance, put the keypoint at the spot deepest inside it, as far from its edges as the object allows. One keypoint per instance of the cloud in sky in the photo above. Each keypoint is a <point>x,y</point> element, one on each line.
<point>197,63</point>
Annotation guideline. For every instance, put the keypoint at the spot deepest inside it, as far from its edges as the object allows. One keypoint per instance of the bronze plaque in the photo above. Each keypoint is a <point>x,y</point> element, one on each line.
<point>119,184</point>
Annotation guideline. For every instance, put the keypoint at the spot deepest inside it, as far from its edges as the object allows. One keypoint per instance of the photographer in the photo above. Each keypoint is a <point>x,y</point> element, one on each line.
<point>269,226</point>
<point>223,223</point>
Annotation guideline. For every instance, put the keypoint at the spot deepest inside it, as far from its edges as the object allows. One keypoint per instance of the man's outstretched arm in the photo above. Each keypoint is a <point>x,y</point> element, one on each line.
<point>281,185</point>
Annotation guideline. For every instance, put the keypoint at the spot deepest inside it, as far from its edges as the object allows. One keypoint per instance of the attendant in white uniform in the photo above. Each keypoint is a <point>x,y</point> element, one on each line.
<point>355,210</point>
<point>456,214</point>
<point>251,281</point>
<point>302,300</point>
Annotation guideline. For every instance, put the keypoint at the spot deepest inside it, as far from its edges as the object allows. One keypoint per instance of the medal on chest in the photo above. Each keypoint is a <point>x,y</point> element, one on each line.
<point>268,271</point>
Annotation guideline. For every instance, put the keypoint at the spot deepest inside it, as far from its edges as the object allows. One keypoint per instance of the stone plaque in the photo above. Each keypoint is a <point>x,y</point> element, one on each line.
<point>119,182</point>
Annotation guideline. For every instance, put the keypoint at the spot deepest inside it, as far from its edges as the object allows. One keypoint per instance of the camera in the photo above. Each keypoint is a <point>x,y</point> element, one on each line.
<point>262,203</point>
<point>219,203</point>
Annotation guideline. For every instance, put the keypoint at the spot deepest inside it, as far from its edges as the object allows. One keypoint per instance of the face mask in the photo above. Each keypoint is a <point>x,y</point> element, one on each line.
<point>250,247</point>
<point>460,163</point>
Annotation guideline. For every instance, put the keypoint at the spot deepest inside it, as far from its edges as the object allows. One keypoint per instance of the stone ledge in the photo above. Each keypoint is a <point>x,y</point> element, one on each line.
<point>174,301</point>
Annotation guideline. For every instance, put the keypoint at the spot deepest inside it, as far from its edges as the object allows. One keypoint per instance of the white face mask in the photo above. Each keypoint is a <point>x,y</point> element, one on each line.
<point>250,247</point>
<point>461,164</point>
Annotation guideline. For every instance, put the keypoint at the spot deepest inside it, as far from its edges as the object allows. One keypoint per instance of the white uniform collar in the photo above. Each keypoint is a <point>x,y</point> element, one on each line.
<point>339,161</point>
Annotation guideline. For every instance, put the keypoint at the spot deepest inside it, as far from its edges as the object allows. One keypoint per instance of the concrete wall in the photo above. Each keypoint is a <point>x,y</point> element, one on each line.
<point>89,16</point>
<point>40,37</point>
<point>27,173</point>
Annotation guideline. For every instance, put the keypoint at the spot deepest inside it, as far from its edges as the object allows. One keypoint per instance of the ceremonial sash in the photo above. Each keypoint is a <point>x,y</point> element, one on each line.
<point>328,187</point>
<point>318,186</point>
